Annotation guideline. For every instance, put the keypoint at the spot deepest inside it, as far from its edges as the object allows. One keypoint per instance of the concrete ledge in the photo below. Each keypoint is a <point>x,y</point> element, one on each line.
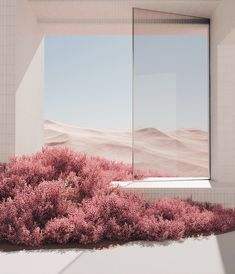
<point>199,190</point>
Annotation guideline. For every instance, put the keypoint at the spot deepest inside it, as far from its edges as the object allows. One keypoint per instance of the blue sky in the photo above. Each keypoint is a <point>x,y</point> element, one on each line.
<point>88,81</point>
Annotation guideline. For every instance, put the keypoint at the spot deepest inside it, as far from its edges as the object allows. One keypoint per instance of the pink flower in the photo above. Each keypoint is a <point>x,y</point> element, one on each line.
<point>59,196</point>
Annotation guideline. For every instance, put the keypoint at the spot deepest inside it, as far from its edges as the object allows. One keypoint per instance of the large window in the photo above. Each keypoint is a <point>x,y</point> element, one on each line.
<point>170,94</point>
<point>88,95</point>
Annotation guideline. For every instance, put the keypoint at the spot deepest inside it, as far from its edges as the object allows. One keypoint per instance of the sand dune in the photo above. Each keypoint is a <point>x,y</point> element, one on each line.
<point>183,152</point>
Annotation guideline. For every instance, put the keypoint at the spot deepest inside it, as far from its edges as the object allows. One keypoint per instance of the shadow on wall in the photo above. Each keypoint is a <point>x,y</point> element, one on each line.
<point>226,247</point>
<point>226,82</point>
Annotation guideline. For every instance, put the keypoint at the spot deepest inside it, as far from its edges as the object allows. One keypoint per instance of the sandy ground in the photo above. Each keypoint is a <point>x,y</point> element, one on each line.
<point>183,152</point>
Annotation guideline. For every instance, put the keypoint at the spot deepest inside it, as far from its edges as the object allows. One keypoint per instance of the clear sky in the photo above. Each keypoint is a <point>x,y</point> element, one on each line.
<point>88,81</point>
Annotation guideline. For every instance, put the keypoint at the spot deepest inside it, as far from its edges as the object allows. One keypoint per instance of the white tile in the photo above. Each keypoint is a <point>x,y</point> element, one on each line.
<point>206,255</point>
<point>36,262</point>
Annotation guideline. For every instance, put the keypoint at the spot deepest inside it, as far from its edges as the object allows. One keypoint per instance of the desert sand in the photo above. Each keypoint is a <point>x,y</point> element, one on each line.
<point>183,152</point>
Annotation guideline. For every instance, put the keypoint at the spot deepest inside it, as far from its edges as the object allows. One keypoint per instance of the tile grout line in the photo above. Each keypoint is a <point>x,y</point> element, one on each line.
<point>70,263</point>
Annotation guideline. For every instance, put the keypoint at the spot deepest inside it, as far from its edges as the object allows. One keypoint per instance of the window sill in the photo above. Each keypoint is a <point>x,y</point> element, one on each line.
<point>202,190</point>
<point>165,183</point>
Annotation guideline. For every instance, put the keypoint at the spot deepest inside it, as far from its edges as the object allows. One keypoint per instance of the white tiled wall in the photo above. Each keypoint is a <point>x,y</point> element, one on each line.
<point>7,78</point>
<point>29,107</point>
<point>198,190</point>
<point>29,79</point>
<point>224,196</point>
<point>223,93</point>
<point>21,73</point>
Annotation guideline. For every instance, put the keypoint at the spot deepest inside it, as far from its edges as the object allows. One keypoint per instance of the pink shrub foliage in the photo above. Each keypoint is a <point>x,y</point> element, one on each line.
<point>59,196</point>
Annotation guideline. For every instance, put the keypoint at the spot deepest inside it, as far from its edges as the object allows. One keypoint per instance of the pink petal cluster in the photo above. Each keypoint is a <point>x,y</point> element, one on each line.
<point>59,196</point>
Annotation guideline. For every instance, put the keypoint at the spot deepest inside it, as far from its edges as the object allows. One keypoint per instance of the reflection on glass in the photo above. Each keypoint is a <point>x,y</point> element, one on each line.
<point>170,95</point>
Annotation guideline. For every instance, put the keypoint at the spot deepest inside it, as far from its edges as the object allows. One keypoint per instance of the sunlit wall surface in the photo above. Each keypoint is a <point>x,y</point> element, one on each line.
<point>170,94</point>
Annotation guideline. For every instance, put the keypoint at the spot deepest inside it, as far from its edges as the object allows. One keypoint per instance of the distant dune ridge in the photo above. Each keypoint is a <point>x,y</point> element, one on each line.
<point>183,152</point>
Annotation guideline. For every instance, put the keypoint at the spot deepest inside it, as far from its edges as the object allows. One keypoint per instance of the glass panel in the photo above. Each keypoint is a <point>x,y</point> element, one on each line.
<point>170,95</point>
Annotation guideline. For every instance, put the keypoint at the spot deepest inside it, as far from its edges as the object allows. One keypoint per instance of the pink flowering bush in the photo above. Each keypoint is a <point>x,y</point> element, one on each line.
<point>59,196</point>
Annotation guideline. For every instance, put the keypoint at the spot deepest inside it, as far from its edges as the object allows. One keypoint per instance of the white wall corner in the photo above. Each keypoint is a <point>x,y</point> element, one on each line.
<point>222,93</point>
<point>29,106</point>
<point>29,77</point>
